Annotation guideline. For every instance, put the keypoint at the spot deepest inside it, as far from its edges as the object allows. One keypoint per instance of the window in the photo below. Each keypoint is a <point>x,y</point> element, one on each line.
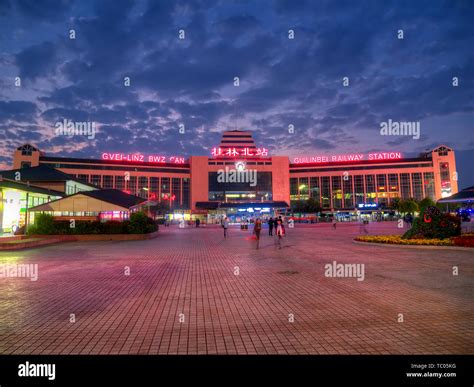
<point>405,186</point>
<point>108,181</point>
<point>176,191</point>
<point>120,182</point>
<point>186,192</point>
<point>348,193</point>
<point>143,187</point>
<point>303,187</point>
<point>132,185</point>
<point>293,188</point>
<point>393,182</point>
<point>336,191</point>
<point>27,150</point>
<point>359,188</point>
<point>428,178</point>
<point>243,190</point>
<point>370,193</point>
<point>445,179</point>
<point>96,180</point>
<point>165,186</point>
<point>314,188</point>
<point>25,164</point>
<point>325,190</point>
<point>154,187</point>
<point>442,152</point>
<point>417,186</point>
<point>83,178</point>
<point>382,195</point>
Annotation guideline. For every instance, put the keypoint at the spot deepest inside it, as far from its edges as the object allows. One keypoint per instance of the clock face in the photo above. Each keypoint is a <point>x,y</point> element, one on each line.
<point>240,166</point>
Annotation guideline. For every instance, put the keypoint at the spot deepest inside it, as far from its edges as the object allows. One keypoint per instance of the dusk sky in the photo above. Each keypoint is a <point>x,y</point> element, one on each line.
<point>283,81</point>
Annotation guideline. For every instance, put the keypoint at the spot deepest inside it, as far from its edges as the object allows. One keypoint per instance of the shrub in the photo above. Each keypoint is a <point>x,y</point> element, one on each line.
<point>32,230</point>
<point>114,227</point>
<point>433,224</point>
<point>140,223</point>
<point>44,224</point>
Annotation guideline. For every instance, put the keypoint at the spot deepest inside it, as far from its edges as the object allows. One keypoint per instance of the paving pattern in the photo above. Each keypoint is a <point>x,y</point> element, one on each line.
<point>190,291</point>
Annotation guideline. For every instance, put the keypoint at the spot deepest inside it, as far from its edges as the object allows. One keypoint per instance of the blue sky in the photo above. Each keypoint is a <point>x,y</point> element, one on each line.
<point>282,81</point>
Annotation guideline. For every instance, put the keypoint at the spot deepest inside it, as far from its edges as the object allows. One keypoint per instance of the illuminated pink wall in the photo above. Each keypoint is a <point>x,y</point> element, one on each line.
<point>199,179</point>
<point>281,178</point>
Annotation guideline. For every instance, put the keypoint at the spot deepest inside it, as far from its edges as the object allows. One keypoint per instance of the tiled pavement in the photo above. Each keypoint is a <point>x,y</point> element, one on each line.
<point>191,274</point>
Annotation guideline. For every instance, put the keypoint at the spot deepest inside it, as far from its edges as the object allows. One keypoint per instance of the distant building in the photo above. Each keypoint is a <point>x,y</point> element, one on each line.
<point>193,186</point>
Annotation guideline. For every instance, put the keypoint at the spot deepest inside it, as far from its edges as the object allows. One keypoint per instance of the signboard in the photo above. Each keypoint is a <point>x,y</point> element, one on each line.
<point>365,206</point>
<point>153,159</point>
<point>348,158</point>
<point>237,152</point>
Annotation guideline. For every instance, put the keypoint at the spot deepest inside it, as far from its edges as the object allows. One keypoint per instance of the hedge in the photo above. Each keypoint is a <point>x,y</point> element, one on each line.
<point>139,223</point>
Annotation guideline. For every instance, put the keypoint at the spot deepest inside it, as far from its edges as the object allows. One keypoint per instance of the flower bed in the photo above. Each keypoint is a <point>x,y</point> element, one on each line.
<point>464,240</point>
<point>397,240</point>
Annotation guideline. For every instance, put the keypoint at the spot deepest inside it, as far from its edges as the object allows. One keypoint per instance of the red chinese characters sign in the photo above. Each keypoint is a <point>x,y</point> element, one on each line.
<point>156,159</point>
<point>243,152</point>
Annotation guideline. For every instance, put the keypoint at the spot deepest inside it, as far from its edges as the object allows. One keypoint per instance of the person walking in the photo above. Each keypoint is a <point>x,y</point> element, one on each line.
<point>270,226</point>
<point>280,230</point>
<point>256,230</point>
<point>334,222</point>
<point>225,224</point>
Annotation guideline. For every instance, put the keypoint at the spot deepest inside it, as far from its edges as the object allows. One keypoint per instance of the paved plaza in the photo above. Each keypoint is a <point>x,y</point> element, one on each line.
<point>190,291</point>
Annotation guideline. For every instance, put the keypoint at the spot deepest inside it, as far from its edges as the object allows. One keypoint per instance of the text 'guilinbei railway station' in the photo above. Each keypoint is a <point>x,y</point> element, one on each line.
<point>240,178</point>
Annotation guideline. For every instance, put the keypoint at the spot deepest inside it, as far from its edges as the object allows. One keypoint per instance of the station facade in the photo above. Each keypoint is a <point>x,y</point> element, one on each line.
<point>239,177</point>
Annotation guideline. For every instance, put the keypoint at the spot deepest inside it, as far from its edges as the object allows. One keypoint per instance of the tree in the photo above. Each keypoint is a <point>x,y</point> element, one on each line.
<point>425,203</point>
<point>408,206</point>
<point>395,204</point>
<point>159,208</point>
<point>310,205</point>
<point>313,205</point>
<point>140,223</point>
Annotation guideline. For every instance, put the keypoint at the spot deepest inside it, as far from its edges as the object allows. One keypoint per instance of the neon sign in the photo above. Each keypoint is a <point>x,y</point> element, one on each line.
<point>234,152</point>
<point>367,205</point>
<point>348,158</point>
<point>155,159</point>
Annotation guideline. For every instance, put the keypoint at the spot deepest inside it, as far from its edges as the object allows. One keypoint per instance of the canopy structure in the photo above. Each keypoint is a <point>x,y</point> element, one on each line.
<point>92,201</point>
<point>464,196</point>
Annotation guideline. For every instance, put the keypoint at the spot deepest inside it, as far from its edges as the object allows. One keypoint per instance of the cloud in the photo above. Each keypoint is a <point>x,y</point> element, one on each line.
<point>36,61</point>
<point>19,111</point>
